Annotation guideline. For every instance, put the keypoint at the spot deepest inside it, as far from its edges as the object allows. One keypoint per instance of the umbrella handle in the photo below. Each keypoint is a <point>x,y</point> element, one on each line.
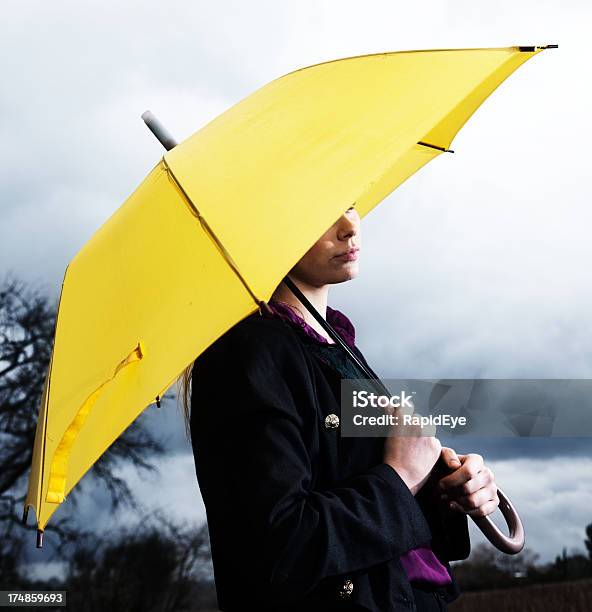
<point>510,544</point>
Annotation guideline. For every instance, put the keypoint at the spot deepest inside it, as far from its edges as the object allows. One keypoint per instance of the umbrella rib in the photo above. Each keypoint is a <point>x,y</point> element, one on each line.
<point>229,260</point>
<point>431,146</point>
<point>45,409</point>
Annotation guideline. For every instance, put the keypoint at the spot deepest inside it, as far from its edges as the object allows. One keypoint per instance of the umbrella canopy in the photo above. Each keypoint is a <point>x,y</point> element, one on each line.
<point>209,234</point>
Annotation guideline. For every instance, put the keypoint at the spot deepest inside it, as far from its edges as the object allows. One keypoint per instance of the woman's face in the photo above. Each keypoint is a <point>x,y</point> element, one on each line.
<point>334,257</point>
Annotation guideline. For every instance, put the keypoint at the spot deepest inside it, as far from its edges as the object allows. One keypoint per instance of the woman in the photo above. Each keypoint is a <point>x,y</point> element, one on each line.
<point>301,518</point>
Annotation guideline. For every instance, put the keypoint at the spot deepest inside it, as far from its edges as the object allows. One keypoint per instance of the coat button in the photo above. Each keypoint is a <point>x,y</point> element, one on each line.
<point>331,421</point>
<point>346,589</point>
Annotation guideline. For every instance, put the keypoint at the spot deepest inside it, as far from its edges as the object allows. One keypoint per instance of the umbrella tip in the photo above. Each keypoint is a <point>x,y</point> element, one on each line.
<point>532,49</point>
<point>39,538</point>
<point>25,515</point>
<point>158,129</point>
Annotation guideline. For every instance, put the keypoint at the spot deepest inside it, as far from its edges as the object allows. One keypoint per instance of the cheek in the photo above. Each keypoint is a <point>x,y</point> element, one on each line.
<point>321,252</point>
<point>312,261</point>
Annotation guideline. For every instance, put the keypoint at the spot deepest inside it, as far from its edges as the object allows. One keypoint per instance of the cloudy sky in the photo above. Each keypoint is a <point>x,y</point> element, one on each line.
<point>475,267</point>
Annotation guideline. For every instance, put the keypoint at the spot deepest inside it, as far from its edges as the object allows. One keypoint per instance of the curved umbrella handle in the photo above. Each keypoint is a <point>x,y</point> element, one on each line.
<point>510,544</point>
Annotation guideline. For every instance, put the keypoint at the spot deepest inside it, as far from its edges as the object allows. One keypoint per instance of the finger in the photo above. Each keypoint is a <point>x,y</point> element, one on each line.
<point>475,500</point>
<point>450,457</point>
<point>471,466</point>
<point>414,426</point>
<point>388,408</point>
<point>404,409</point>
<point>484,479</point>
<point>487,508</point>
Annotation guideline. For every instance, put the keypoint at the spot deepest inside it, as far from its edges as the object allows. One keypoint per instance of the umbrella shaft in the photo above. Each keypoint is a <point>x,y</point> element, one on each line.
<point>370,374</point>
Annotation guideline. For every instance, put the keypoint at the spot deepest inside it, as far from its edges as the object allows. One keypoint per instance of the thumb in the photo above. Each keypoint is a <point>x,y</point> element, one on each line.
<point>450,457</point>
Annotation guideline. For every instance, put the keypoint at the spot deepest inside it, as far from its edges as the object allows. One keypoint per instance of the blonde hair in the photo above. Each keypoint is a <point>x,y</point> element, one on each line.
<point>184,383</point>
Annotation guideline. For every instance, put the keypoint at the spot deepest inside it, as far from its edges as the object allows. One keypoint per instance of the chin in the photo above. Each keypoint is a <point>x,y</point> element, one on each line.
<point>346,275</point>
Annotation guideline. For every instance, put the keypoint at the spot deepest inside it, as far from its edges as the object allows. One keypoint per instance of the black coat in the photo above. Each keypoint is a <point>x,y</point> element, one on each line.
<point>294,509</point>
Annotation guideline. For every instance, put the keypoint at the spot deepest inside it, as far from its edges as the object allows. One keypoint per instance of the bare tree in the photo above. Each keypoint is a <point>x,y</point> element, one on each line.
<point>155,566</point>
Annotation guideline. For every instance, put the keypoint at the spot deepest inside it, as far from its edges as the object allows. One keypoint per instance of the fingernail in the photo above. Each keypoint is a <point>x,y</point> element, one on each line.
<point>443,496</point>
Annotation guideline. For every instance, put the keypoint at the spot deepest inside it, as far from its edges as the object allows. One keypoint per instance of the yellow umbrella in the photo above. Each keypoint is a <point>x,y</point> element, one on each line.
<point>209,234</point>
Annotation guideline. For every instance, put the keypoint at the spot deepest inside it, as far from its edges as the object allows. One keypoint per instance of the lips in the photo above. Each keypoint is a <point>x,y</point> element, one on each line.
<point>348,252</point>
<point>349,255</point>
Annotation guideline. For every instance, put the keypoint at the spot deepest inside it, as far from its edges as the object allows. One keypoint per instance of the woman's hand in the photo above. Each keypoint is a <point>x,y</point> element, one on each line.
<point>412,451</point>
<point>471,487</point>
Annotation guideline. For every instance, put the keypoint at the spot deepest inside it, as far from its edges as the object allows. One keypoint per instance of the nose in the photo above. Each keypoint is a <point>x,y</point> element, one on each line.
<point>348,226</point>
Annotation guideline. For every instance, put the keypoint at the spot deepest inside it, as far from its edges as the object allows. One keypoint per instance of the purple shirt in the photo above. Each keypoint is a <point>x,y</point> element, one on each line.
<point>420,564</point>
